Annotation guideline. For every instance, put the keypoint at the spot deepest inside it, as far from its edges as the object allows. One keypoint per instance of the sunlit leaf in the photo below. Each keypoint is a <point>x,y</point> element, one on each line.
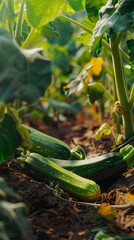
<point>84,38</point>
<point>9,137</point>
<point>120,138</point>
<point>107,211</point>
<point>103,130</point>
<point>43,12</point>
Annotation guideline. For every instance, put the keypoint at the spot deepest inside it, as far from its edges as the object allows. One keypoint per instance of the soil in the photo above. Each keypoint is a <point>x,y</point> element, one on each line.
<point>54,219</point>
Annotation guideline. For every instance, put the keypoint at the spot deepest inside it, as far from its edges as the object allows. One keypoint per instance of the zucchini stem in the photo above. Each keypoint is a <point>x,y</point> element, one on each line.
<point>87,203</point>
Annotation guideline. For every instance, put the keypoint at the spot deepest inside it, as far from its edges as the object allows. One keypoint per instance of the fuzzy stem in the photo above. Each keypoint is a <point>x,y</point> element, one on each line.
<point>28,39</point>
<point>121,85</point>
<point>19,23</point>
<point>9,21</point>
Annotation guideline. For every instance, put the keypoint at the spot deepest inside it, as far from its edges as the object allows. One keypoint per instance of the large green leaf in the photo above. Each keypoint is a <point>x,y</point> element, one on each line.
<point>25,74</point>
<point>41,12</point>
<point>118,17</point>
<point>10,138</point>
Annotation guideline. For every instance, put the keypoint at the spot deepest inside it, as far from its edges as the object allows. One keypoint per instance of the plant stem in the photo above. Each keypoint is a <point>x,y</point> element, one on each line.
<point>87,29</point>
<point>19,23</point>
<point>10,28</point>
<point>121,86</point>
<point>131,98</point>
<point>28,39</point>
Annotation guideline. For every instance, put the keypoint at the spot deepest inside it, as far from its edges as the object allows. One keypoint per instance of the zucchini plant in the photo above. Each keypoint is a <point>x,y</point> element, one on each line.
<point>114,32</point>
<point>116,25</point>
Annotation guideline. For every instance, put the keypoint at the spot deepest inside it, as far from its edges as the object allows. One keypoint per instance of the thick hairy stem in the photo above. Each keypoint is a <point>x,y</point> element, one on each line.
<point>19,23</point>
<point>28,39</point>
<point>121,87</point>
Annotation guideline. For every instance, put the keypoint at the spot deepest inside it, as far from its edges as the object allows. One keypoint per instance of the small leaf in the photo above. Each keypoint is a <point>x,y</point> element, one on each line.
<point>104,129</point>
<point>120,138</point>
<point>48,31</point>
<point>130,196</point>
<point>84,38</point>
<point>107,211</point>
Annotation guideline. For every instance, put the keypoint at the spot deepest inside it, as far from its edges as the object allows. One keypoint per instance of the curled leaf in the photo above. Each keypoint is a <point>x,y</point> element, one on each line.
<point>104,129</point>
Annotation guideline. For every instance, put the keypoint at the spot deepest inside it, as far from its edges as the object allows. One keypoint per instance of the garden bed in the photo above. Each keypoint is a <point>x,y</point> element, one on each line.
<point>53,218</point>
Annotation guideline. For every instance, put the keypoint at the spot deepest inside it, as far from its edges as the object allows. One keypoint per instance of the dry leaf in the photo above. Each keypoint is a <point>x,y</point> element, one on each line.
<point>130,196</point>
<point>107,211</point>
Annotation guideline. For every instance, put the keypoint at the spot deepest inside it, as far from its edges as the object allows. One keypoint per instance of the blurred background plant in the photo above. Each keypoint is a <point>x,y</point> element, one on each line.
<point>63,37</point>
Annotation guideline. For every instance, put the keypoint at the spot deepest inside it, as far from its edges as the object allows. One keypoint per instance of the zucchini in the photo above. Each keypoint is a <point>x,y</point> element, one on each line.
<point>49,146</point>
<point>49,171</point>
<point>97,168</point>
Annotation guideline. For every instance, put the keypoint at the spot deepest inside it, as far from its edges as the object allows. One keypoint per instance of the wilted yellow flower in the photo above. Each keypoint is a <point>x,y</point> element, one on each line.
<point>97,65</point>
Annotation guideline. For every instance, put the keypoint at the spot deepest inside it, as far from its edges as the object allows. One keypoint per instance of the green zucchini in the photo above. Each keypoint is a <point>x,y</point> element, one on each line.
<point>49,146</point>
<point>49,171</point>
<point>97,168</point>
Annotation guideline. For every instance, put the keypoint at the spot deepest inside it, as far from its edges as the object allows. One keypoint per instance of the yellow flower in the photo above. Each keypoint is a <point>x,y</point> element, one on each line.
<point>97,65</point>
